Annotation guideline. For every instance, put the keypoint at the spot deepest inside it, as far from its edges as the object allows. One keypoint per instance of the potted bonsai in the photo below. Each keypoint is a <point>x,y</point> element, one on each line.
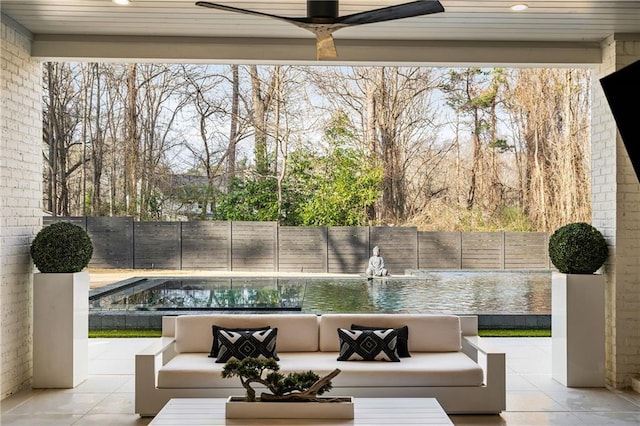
<point>578,250</point>
<point>60,252</point>
<point>295,395</point>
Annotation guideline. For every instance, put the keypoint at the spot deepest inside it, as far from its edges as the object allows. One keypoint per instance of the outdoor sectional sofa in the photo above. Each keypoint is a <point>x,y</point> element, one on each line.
<point>448,360</point>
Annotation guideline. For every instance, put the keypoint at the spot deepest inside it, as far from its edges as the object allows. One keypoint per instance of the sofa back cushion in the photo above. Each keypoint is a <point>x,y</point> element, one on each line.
<point>296,332</point>
<point>427,333</point>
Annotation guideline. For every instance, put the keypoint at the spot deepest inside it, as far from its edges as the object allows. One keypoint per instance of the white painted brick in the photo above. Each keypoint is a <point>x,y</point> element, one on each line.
<point>620,214</point>
<point>20,195</point>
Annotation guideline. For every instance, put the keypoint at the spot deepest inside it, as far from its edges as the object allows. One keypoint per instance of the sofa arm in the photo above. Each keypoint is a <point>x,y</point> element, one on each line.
<point>490,359</point>
<point>146,368</point>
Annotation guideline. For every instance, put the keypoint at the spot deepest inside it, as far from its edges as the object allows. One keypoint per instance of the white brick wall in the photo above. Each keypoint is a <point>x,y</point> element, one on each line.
<point>20,202</point>
<point>616,211</point>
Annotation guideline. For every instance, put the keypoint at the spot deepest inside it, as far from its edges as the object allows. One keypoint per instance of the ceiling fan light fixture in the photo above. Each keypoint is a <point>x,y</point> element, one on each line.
<point>519,7</point>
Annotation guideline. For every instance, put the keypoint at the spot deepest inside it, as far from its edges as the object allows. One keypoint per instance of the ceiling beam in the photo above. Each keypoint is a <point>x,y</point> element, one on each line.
<point>302,51</point>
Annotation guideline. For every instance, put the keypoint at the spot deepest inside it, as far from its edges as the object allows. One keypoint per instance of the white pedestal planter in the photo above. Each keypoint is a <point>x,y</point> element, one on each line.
<point>60,329</point>
<point>577,329</point>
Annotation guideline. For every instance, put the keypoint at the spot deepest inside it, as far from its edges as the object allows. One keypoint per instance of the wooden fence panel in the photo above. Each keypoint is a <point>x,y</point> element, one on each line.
<point>302,249</point>
<point>398,246</point>
<point>206,245</point>
<point>156,245</point>
<point>253,246</point>
<point>482,250</point>
<point>76,220</point>
<point>119,242</point>
<point>439,250</point>
<point>526,250</point>
<point>347,249</point>
<point>112,239</point>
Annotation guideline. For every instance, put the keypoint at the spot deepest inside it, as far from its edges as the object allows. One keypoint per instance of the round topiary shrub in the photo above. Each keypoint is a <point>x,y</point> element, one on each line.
<point>577,248</point>
<point>61,247</point>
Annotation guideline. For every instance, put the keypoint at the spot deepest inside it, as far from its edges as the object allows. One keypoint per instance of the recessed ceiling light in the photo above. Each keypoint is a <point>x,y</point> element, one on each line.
<point>122,2</point>
<point>519,7</point>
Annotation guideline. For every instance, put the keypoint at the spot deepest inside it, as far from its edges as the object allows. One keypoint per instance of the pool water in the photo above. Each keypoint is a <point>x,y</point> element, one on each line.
<point>459,292</point>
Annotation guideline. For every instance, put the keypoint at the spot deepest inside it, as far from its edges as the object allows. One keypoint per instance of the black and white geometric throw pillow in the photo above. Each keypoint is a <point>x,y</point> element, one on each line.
<point>216,328</point>
<point>402,348</point>
<point>244,344</point>
<point>368,345</point>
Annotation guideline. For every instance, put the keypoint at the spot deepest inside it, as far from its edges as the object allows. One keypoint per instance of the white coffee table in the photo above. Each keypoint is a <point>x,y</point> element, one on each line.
<point>367,411</point>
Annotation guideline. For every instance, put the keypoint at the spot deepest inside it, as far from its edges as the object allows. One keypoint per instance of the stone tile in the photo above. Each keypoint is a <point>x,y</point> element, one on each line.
<point>541,419</point>
<point>109,366</point>
<point>532,401</point>
<point>610,418</point>
<point>112,420</point>
<point>116,403</point>
<point>516,382</point>
<point>59,402</point>
<point>40,420</point>
<point>472,420</point>
<point>100,384</point>
<point>594,399</point>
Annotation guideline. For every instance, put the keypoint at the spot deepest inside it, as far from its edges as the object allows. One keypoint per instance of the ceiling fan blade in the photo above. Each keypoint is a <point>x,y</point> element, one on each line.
<point>245,11</point>
<point>390,13</point>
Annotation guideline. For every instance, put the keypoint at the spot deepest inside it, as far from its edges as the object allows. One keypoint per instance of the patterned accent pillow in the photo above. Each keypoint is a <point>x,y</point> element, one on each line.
<point>215,329</point>
<point>244,344</point>
<point>368,345</point>
<point>403,338</point>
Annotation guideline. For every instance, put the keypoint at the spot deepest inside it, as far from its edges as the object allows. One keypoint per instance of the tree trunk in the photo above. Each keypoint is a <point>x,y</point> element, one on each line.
<point>131,158</point>
<point>233,132</point>
<point>259,124</point>
<point>308,395</point>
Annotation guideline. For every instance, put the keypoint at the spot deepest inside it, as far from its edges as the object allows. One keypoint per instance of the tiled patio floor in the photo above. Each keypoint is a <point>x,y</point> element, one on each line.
<point>533,397</point>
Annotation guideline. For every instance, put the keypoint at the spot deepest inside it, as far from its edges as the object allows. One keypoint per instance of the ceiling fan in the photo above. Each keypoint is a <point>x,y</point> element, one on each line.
<point>322,18</point>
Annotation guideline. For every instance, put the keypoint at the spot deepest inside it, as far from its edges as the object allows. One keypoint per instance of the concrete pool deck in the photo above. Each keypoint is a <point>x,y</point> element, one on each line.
<point>102,277</point>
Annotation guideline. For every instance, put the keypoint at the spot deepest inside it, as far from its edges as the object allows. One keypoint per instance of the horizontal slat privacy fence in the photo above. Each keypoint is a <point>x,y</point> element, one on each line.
<point>119,242</point>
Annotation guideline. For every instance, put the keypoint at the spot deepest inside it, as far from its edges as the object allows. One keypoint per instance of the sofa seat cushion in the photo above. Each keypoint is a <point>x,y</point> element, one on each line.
<point>422,369</point>
<point>197,370</point>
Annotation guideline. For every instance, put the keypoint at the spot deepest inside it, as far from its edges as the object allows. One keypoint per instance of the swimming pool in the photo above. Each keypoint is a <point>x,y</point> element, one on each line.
<point>456,292</point>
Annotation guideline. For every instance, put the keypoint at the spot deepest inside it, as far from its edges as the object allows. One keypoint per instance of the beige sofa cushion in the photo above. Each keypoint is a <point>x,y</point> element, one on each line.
<point>193,370</point>
<point>427,333</point>
<point>296,332</point>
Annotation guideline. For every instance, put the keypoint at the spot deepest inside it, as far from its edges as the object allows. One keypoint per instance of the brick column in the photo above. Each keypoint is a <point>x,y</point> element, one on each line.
<point>20,201</point>
<point>616,212</point>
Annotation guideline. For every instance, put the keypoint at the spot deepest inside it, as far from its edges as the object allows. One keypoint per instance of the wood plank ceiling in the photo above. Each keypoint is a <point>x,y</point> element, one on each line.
<point>583,23</point>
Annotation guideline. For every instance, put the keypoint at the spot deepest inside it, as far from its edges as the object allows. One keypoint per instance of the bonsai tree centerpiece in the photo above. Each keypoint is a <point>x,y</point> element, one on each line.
<point>293,387</point>
<point>292,396</point>
<point>578,250</point>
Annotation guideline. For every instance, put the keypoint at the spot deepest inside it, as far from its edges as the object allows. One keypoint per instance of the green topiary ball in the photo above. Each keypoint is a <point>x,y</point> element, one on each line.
<point>61,247</point>
<point>578,248</point>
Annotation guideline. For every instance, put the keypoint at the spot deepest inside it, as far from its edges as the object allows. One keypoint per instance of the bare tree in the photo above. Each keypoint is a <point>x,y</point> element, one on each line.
<point>62,112</point>
<point>551,106</point>
<point>392,107</point>
<point>132,147</point>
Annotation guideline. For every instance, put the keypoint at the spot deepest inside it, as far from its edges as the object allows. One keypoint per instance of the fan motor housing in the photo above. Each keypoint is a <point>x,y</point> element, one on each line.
<point>322,8</point>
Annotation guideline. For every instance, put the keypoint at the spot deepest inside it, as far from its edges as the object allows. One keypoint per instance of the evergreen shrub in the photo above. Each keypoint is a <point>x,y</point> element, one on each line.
<point>577,248</point>
<point>61,247</point>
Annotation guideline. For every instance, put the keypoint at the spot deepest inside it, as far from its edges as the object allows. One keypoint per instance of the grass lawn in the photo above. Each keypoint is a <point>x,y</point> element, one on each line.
<point>483,333</point>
